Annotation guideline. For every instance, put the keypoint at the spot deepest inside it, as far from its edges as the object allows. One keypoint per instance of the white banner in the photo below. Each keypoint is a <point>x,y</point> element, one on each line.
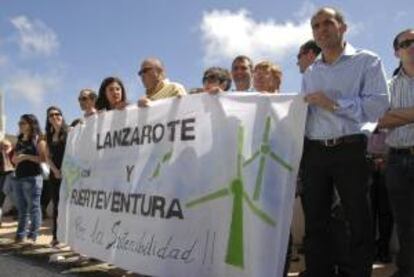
<point>194,186</point>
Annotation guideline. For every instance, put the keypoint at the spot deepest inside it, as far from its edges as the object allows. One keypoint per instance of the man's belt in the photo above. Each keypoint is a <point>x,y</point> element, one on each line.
<point>405,151</point>
<point>341,140</point>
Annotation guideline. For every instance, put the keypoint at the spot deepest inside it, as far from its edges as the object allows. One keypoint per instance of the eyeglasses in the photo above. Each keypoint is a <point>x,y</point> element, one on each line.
<point>21,123</point>
<point>211,79</point>
<point>405,44</point>
<point>83,98</point>
<point>54,114</point>
<point>144,70</point>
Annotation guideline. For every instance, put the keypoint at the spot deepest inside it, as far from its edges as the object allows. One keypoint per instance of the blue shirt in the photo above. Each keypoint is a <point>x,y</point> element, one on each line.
<point>356,82</point>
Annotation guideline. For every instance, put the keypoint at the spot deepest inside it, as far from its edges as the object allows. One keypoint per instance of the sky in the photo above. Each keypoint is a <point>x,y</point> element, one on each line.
<point>50,50</point>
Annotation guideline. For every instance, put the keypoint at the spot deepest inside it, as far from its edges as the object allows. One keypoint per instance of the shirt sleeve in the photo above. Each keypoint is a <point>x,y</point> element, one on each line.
<point>373,98</point>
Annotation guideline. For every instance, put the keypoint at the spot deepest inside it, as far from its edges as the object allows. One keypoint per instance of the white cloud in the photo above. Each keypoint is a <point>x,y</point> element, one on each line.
<point>226,34</point>
<point>31,87</point>
<point>306,11</point>
<point>35,37</point>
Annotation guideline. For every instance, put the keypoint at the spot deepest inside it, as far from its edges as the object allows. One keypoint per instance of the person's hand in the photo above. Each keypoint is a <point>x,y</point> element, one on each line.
<point>19,158</point>
<point>215,90</point>
<point>144,102</point>
<point>57,173</point>
<point>121,105</point>
<point>319,99</point>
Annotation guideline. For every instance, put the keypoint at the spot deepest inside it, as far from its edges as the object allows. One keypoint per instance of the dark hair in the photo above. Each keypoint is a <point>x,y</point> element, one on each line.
<point>75,122</point>
<point>35,132</point>
<point>396,42</point>
<point>339,16</point>
<point>50,131</point>
<point>243,58</point>
<point>102,102</point>
<point>311,45</point>
<point>222,75</point>
<point>395,45</point>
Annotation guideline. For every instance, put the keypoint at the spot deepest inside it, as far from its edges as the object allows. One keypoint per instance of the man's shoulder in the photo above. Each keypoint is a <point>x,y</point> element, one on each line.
<point>394,80</point>
<point>366,54</point>
<point>172,89</point>
<point>173,85</point>
<point>176,87</point>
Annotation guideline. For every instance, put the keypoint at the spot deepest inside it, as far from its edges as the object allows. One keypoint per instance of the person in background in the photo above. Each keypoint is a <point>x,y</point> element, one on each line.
<point>87,101</point>
<point>381,208</point>
<point>30,151</point>
<point>267,77</point>
<point>6,168</point>
<point>307,55</point>
<point>56,134</point>
<point>399,121</point>
<point>216,79</point>
<point>153,77</point>
<point>112,95</point>
<point>242,73</point>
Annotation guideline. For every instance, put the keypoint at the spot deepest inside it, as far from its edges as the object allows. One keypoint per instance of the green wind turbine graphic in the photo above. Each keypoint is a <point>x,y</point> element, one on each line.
<point>167,156</point>
<point>264,152</point>
<point>71,173</point>
<point>235,247</point>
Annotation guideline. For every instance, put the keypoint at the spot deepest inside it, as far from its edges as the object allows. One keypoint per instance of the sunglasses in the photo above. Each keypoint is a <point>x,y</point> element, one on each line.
<point>21,123</point>
<point>54,114</point>
<point>406,44</point>
<point>144,70</point>
<point>237,67</point>
<point>211,79</point>
<point>83,98</point>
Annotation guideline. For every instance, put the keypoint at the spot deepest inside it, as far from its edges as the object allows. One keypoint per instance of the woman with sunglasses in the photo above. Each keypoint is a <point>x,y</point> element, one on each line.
<point>30,151</point>
<point>56,134</point>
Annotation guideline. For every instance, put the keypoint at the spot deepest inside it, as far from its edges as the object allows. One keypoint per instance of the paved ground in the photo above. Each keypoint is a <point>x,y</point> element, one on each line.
<point>33,260</point>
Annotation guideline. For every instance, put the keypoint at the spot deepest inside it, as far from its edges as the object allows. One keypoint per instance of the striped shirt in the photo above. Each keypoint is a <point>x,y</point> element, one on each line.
<point>356,82</point>
<point>402,96</point>
<point>169,89</point>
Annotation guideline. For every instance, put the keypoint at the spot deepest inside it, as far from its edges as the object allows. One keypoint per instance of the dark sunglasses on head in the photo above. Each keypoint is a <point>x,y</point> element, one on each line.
<point>144,70</point>
<point>54,114</point>
<point>406,43</point>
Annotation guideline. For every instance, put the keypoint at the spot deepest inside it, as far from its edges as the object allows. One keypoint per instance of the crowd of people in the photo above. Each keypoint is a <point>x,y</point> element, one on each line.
<point>353,186</point>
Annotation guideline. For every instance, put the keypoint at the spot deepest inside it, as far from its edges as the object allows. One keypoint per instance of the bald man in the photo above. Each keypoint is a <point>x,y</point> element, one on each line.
<point>153,77</point>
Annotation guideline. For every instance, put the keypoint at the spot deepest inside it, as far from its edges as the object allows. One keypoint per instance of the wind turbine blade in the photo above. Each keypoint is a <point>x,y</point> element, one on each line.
<point>266,132</point>
<point>206,198</point>
<point>259,178</point>
<point>235,246</point>
<point>167,156</point>
<point>240,142</point>
<point>252,158</point>
<point>266,218</point>
<point>156,172</point>
<point>281,161</point>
